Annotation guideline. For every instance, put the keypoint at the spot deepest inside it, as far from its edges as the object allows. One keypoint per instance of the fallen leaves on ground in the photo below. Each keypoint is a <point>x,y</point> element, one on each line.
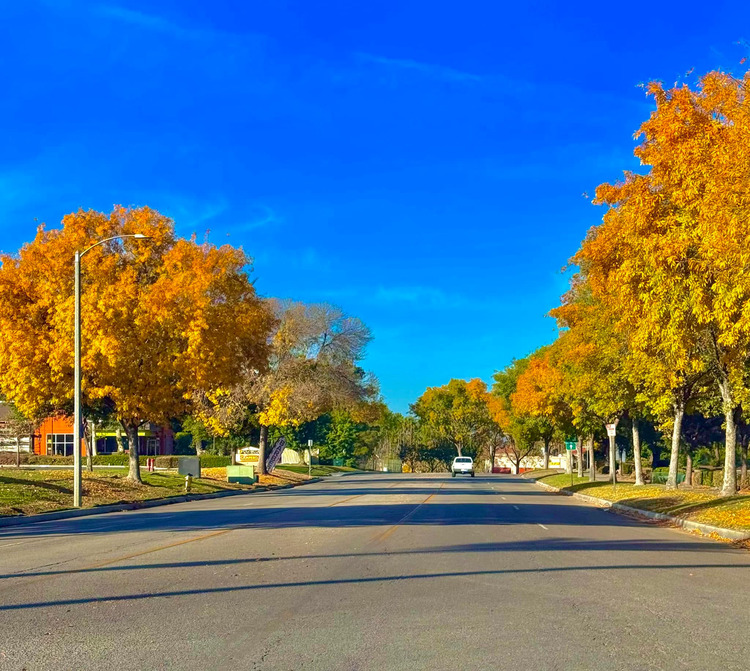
<point>697,505</point>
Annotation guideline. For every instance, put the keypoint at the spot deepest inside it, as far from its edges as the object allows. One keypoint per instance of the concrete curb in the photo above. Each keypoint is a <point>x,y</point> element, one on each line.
<point>706,529</point>
<point>137,505</point>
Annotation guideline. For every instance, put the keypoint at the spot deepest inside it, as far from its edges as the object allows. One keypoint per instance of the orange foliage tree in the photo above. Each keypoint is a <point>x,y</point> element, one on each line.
<point>161,319</point>
<point>672,252</point>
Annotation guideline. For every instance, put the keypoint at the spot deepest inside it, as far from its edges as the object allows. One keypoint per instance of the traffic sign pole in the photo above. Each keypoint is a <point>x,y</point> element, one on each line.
<point>570,445</point>
<point>611,433</point>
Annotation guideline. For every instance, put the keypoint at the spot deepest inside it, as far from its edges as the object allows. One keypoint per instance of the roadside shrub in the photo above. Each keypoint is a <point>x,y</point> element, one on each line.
<point>214,461</point>
<point>167,461</point>
<point>704,477</point>
<point>49,460</point>
<point>116,459</point>
<point>9,458</point>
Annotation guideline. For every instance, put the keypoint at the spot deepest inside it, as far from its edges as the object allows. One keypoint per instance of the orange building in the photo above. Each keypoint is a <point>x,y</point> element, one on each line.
<point>55,436</point>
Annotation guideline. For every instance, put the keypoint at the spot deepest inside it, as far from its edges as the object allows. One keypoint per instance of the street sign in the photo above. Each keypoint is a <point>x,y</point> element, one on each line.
<point>611,429</point>
<point>571,445</point>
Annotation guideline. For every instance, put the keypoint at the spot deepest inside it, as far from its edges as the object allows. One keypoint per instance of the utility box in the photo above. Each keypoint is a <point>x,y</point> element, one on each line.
<point>189,466</point>
<point>244,475</point>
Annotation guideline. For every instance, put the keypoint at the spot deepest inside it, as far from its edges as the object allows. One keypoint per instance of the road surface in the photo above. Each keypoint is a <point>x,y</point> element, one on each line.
<point>371,572</point>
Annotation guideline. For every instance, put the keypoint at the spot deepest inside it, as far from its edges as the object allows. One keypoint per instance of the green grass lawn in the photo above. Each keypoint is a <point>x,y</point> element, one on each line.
<point>697,505</point>
<point>318,471</point>
<point>25,492</point>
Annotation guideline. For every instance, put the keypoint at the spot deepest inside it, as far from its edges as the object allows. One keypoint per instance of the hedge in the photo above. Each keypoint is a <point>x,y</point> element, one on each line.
<point>117,459</point>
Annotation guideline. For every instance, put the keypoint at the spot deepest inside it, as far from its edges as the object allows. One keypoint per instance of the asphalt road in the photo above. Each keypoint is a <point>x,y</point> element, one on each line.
<point>371,572</point>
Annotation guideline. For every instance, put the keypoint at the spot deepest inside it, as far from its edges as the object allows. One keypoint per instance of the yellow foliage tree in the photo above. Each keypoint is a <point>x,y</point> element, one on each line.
<point>673,249</point>
<point>161,320</point>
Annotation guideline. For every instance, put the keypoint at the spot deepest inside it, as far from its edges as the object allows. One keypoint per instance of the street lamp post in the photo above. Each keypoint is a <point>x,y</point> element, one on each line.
<point>77,419</point>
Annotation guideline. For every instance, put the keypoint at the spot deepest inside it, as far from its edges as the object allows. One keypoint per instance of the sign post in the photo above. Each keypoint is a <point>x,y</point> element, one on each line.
<point>611,433</point>
<point>570,445</point>
<point>309,457</point>
<point>275,457</point>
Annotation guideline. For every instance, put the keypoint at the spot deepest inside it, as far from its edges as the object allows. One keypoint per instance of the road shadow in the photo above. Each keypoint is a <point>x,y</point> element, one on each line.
<point>341,515</point>
<point>537,545</point>
<point>436,576</point>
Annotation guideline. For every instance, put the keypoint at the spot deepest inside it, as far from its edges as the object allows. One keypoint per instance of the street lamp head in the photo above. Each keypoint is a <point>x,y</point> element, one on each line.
<point>140,236</point>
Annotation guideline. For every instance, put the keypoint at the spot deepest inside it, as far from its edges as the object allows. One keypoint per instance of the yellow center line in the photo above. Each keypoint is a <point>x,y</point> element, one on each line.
<point>161,547</point>
<point>390,530</point>
<point>330,505</point>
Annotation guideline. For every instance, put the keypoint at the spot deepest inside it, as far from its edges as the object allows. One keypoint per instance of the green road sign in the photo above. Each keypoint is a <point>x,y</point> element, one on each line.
<point>571,445</point>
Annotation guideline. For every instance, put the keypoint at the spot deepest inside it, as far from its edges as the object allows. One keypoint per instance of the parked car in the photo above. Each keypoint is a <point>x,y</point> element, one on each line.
<point>463,465</point>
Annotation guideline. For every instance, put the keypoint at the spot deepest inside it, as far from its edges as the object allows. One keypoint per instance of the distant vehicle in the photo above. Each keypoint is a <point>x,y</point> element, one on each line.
<point>463,465</point>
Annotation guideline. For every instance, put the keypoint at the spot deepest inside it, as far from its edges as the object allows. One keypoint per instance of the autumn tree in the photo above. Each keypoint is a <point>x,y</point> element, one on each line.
<point>540,394</point>
<point>313,369</point>
<point>162,319</point>
<point>672,250</point>
<point>522,429</point>
<point>456,413</point>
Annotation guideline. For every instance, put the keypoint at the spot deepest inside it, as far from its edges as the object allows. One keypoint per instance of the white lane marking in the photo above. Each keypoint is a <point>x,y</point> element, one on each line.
<point>7,545</point>
<point>543,527</point>
<point>516,507</point>
<point>503,498</point>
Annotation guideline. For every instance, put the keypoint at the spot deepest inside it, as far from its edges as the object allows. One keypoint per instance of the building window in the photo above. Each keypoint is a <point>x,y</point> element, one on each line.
<point>60,443</point>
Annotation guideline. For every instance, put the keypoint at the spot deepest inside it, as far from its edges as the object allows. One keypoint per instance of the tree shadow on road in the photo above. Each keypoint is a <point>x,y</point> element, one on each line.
<point>537,545</point>
<point>260,587</point>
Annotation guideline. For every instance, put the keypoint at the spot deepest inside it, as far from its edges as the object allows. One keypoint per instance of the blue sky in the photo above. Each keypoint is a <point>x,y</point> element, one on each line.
<point>420,164</point>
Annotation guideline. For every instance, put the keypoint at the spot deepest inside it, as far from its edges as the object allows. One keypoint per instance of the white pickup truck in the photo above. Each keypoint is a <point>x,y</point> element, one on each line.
<point>463,465</point>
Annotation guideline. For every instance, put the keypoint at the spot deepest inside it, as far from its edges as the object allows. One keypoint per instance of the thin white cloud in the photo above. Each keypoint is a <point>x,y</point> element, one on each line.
<point>149,21</point>
<point>429,69</point>
<point>262,216</point>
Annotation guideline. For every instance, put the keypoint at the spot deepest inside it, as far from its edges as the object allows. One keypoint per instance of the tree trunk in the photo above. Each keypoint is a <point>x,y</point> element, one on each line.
<point>87,443</point>
<point>118,438</point>
<point>729,488</point>
<point>134,471</point>
<point>94,451</point>
<point>689,469</point>
<point>679,413</point>
<point>592,459</point>
<point>262,445</point>
<point>612,460</point>
<point>637,453</point>
<point>743,465</point>
<point>579,452</point>
<point>18,452</point>
<point>546,454</point>
<point>198,446</point>
<point>568,461</point>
